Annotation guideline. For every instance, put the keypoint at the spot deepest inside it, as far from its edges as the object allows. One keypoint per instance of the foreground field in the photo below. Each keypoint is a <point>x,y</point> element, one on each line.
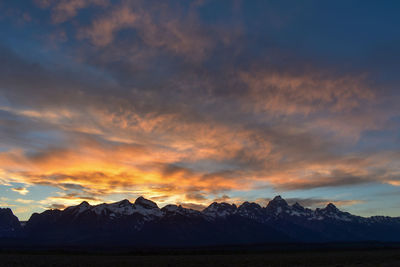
<point>333,258</point>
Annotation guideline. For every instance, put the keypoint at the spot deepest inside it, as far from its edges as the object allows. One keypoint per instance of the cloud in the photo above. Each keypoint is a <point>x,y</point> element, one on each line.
<point>335,177</point>
<point>24,201</point>
<point>193,206</point>
<point>157,26</point>
<point>394,182</point>
<point>75,196</point>
<point>62,200</point>
<point>190,169</point>
<point>66,9</point>
<point>224,198</point>
<point>57,206</point>
<point>102,30</point>
<point>20,190</point>
<point>289,93</point>
<point>195,196</point>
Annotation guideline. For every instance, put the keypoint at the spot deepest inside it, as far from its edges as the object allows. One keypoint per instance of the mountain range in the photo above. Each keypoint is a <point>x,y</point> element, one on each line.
<point>143,223</point>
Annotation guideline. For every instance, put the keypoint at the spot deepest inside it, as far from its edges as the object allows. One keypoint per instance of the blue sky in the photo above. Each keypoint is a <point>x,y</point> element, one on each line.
<point>194,101</point>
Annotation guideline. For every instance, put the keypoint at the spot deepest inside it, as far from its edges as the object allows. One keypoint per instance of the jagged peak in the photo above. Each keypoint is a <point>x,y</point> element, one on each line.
<point>141,201</point>
<point>171,208</point>
<point>277,201</point>
<point>331,207</point>
<point>247,204</point>
<point>297,206</point>
<point>124,202</point>
<point>214,204</point>
<point>220,209</point>
<point>5,210</point>
<point>84,204</point>
<point>222,205</point>
<point>178,209</point>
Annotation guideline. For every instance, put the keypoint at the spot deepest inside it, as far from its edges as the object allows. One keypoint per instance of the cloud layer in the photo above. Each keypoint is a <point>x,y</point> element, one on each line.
<point>187,103</point>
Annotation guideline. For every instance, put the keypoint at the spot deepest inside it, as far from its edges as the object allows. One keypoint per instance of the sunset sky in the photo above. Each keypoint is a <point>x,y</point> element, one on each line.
<point>191,102</point>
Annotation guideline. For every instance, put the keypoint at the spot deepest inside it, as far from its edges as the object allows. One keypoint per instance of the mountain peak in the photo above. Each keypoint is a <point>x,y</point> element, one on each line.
<point>6,211</point>
<point>331,208</point>
<point>124,202</point>
<point>148,204</point>
<point>277,205</point>
<point>223,205</point>
<point>297,206</point>
<point>250,209</point>
<point>220,209</point>
<point>82,207</point>
<point>170,208</point>
<point>277,201</point>
<point>246,205</point>
<point>84,204</point>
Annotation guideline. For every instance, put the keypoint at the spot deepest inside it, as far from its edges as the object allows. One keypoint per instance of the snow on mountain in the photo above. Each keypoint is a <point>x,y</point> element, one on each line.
<point>298,210</point>
<point>219,210</point>
<point>174,210</point>
<point>143,219</point>
<point>142,206</point>
<point>146,207</point>
<point>250,210</point>
<point>277,208</point>
<point>332,212</point>
<point>78,209</point>
<point>124,207</point>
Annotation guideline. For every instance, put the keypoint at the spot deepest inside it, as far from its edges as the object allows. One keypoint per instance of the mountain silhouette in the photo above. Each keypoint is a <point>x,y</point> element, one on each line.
<point>143,223</point>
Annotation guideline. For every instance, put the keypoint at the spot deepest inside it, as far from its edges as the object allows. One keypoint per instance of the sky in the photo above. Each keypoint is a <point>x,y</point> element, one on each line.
<point>190,102</point>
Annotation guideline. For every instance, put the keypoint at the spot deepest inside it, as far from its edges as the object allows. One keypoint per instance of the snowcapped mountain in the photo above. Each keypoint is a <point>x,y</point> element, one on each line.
<point>220,210</point>
<point>144,223</point>
<point>142,206</point>
<point>173,210</point>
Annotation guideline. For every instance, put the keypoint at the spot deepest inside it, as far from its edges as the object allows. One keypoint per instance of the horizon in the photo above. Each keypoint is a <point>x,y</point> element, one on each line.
<point>193,102</point>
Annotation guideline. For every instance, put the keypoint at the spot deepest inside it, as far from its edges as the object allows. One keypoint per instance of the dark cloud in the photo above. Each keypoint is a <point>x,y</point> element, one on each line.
<point>193,206</point>
<point>75,196</point>
<point>223,198</point>
<point>20,190</point>
<point>195,196</point>
<point>336,177</point>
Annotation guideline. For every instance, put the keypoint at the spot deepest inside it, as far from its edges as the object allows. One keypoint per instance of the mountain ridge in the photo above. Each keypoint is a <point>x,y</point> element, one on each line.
<point>143,223</point>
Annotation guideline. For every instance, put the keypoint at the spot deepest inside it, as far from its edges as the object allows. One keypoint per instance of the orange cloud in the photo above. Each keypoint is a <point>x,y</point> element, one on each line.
<point>62,10</point>
<point>161,156</point>
<point>178,34</point>
<point>103,29</point>
<point>285,93</point>
<point>394,182</point>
